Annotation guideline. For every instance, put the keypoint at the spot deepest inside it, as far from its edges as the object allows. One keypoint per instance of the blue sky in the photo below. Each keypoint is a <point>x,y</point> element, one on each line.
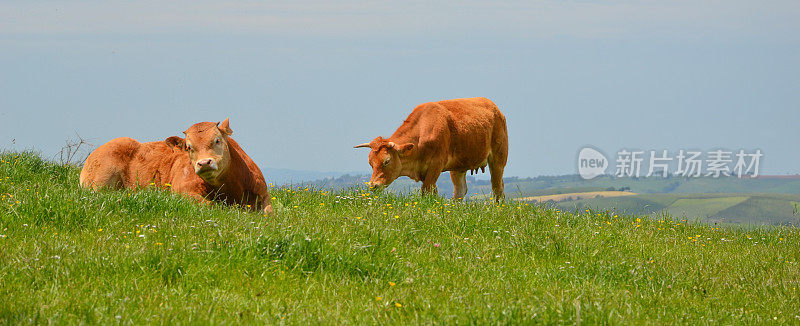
<point>302,82</point>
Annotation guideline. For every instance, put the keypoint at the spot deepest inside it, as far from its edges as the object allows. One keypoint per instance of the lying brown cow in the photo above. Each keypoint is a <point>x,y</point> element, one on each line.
<point>454,135</point>
<point>207,165</point>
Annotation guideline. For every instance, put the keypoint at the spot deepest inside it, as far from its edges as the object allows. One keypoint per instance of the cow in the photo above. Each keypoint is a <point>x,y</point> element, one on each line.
<point>457,135</point>
<point>207,165</point>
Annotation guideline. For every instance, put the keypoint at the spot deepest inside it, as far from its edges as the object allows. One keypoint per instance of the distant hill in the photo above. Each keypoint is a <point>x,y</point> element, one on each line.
<point>547,185</point>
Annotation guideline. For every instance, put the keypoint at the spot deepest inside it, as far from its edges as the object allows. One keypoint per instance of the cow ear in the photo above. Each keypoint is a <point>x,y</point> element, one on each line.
<point>225,127</point>
<point>404,149</point>
<point>176,142</point>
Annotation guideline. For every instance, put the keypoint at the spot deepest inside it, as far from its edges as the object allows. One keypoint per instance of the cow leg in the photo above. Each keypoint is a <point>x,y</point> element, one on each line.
<point>429,183</point>
<point>194,190</point>
<point>459,184</point>
<point>496,167</point>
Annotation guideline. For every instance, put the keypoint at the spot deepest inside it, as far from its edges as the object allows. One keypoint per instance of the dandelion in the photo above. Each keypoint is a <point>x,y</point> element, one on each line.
<point>377,298</point>
<point>167,185</point>
<point>99,230</point>
<point>397,304</point>
<point>392,283</point>
<point>397,216</point>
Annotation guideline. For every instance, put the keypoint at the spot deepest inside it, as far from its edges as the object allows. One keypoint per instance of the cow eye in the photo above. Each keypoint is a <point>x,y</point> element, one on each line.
<point>386,163</point>
<point>189,148</point>
<point>217,141</point>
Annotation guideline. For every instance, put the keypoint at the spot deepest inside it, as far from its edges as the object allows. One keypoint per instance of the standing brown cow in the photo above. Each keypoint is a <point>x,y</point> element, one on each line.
<point>207,165</point>
<point>454,135</point>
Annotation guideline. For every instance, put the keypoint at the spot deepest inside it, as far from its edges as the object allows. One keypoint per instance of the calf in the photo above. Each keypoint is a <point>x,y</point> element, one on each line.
<point>207,165</point>
<point>454,135</point>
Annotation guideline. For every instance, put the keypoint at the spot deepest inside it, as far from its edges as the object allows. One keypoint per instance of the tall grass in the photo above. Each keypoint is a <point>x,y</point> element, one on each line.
<point>69,255</point>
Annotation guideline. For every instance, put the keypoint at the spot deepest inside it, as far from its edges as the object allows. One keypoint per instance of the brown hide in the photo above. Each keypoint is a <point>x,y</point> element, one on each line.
<point>235,179</point>
<point>453,135</point>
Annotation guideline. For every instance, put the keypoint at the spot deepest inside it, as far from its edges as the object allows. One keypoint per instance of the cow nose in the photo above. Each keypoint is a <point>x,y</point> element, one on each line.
<point>202,163</point>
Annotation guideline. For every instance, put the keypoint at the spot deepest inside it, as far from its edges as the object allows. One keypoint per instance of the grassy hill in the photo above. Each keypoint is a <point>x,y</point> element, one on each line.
<point>69,255</point>
<point>576,196</point>
<point>746,209</point>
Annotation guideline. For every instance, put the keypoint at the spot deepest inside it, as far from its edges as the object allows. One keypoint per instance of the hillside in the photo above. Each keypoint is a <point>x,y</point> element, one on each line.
<point>576,196</point>
<point>351,257</point>
<point>746,209</point>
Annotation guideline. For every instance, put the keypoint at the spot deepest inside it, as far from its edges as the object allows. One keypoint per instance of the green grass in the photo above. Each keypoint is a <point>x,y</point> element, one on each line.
<point>68,255</point>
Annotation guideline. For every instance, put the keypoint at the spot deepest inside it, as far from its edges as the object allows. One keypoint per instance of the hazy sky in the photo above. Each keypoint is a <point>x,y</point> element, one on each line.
<point>302,82</point>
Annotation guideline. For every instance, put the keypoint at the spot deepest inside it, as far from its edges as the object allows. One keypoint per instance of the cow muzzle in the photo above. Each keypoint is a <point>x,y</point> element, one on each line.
<point>205,166</point>
<point>374,186</point>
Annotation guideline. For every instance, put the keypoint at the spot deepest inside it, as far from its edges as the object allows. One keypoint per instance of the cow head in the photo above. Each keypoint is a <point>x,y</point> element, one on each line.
<point>207,145</point>
<point>385,157</point>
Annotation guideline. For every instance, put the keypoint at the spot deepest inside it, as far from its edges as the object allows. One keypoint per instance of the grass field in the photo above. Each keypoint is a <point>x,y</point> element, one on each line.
<point>68,255</point>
